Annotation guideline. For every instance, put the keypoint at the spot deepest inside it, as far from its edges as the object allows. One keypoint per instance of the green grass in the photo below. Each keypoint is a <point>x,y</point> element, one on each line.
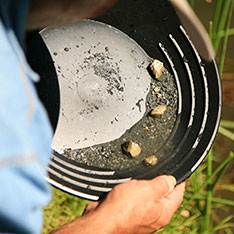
<point>63,209</point>
<point>220,29</point>
<point>200,200</point>
<point>198,210</point>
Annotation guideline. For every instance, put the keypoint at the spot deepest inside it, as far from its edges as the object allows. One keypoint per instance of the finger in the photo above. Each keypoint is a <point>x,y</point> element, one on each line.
<point>177,193</point>
<point>91,206</point>
<point>163,185</point>
<point>175,198</point>
<point>170,204</point>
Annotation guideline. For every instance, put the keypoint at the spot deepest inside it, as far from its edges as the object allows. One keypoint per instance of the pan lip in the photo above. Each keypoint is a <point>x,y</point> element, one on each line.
<point>218,119</point>
<point>75,165</point>
<point>215,131</point>
<point>97,177</point>
<point>71,191</point>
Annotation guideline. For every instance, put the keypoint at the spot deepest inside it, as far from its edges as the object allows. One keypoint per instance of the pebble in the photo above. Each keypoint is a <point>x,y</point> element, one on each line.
<point>157,68</point>
<point>185,213</point>
<point>159,111</point>
<point>132,148</point>
<point>151,160</point>
<point>157,89</point>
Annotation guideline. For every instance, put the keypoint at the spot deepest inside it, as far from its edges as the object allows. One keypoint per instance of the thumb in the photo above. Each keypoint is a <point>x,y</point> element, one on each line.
<point>163,185</point>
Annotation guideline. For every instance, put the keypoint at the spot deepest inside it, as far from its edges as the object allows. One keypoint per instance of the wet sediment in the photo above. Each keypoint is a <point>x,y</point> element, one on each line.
<point>150,132</point>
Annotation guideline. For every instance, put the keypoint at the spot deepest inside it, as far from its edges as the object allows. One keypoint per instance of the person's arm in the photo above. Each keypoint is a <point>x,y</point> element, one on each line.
<point>25,132</point>
<point>135,207</point>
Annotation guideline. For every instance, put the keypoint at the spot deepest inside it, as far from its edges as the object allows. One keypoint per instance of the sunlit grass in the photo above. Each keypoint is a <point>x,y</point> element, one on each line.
<point>200,201</point>
<point>63,209</point>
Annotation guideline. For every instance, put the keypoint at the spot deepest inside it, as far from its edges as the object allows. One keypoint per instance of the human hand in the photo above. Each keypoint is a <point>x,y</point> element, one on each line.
<point>134,207</point>
<point>140,206</point>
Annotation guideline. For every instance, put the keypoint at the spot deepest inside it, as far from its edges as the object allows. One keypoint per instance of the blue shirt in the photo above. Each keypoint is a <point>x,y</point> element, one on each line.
<point>25,132</point>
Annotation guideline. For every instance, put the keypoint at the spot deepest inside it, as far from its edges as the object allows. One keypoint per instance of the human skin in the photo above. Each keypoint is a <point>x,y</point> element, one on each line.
<point>135,207</point>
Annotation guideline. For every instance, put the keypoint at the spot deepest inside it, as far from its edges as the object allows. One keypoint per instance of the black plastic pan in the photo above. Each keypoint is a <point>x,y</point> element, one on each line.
<point>155,27</point>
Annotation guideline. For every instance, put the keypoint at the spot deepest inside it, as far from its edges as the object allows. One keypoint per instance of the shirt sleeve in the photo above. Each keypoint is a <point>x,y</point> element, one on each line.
<point>25,138</point>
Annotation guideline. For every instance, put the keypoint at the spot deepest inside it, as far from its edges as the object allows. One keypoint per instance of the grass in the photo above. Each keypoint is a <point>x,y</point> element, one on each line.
<point>220,28</point>
<point>200,201</point>
<point>197,213</point>
<point>63,209</point>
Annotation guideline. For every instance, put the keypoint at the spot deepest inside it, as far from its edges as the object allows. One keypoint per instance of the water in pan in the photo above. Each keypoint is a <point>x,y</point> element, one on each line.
<point>106,95</point>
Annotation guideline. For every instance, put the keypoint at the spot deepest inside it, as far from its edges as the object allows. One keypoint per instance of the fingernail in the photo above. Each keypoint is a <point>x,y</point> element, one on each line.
<point>171,180</point>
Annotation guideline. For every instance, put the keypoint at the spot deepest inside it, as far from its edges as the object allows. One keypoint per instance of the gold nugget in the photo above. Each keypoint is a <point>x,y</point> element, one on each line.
<point>132,148</point>
<point>151,160</point>
<point>157,68</point>
<point>159,111</point>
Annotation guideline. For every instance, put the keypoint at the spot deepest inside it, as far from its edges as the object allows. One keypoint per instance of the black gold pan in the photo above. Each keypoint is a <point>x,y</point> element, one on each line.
<point>95,84</point>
